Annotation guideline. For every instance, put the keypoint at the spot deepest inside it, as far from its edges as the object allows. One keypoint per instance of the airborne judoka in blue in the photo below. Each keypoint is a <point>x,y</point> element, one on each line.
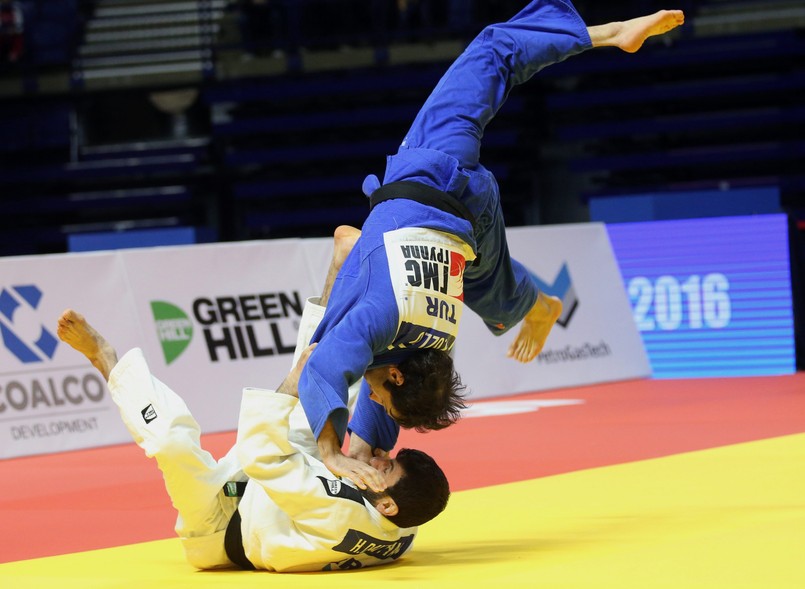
<point>385,304</point>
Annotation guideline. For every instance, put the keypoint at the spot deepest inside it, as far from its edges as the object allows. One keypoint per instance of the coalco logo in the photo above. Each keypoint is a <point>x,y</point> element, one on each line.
<point>562,287</point>
<point>58,393</point>
<point>28,346</point>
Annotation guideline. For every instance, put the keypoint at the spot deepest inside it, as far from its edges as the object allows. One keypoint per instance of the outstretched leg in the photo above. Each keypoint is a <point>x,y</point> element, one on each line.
<point>74,330</point>
<point>631,34</point>
<point>161,424</point>
<point>344,240</point>
<point>537,324</point>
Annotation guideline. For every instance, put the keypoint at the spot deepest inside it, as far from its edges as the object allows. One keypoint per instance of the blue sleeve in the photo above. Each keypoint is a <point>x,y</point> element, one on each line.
<point>339,360</point>
<point>371,423</point>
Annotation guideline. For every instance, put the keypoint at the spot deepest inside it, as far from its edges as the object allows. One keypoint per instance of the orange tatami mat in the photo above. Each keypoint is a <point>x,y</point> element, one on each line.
<point>702,461</point>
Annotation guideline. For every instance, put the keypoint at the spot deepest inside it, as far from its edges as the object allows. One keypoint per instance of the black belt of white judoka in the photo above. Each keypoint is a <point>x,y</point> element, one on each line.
<point>424,194</point>
<point>233,538</point>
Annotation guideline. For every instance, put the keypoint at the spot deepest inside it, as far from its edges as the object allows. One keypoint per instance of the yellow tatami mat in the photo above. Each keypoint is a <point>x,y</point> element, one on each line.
<point>731,517</point>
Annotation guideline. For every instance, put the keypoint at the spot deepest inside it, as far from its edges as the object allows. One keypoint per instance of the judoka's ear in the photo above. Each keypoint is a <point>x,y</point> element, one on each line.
<point>387,506</point>
<point>396,376</point>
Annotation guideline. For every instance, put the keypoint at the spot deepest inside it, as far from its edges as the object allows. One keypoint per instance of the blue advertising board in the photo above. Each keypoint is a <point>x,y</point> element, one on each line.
<point>711,297</point>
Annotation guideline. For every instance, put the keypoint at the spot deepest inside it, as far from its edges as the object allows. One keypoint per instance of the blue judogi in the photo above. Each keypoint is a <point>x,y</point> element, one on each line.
<point>362,326</point>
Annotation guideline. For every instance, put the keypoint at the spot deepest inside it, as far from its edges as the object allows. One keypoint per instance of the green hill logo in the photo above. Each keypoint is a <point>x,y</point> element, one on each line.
<point>174,329</point>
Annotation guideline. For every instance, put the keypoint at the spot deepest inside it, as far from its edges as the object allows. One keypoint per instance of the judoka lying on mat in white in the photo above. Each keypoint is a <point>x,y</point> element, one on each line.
<point>267,504</point>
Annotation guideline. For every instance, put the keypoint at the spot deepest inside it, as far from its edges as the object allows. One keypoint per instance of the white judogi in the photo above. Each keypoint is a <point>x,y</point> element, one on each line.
<point>296,515</point>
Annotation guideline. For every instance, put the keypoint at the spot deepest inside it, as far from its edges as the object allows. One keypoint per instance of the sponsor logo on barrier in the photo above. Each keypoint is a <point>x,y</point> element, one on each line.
<point>233,327</point>
<point>52,398</point>
<point>38,346</point>
<point>53,392</point>
<point>174,329</point>
<point>585,351</point>
<point>562,288</point>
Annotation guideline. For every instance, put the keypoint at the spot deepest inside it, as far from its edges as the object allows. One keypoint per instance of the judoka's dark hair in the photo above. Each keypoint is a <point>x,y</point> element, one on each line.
<point>431,395</point>
<point>422,492</point>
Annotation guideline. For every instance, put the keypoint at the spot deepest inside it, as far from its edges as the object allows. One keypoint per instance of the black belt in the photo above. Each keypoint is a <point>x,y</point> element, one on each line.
<point>233,543</point>
<point>233,538</point>
<point>424,194</point>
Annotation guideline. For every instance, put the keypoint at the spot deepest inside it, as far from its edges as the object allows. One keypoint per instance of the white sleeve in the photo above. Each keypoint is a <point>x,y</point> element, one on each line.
<point>269,459</point>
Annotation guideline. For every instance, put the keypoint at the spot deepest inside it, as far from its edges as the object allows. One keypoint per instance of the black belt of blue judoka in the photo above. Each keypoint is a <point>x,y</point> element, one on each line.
<point>424,194</point>
<point>233,538</point>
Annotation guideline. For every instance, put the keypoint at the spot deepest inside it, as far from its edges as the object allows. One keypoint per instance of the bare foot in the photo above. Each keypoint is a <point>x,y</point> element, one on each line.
<point>344,239</point>
<point>536,326</point>
<point>631,34</point>
<point>74,330</point>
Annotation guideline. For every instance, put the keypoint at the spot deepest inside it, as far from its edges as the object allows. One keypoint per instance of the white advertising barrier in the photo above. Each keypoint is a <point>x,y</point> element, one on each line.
<point>596,339</point>
<point>214,318</point>
<point>210,319</point>
<point>51,398</point>
<point>220,317</point>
